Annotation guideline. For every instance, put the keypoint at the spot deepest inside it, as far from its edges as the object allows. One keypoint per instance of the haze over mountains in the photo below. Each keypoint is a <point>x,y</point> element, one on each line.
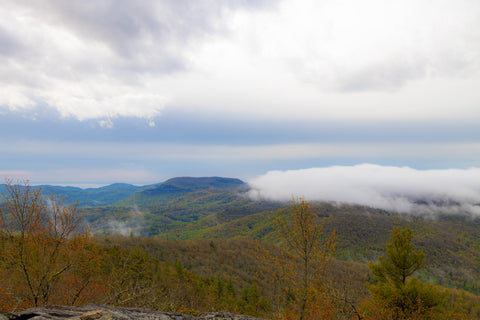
<point>397,189</point>
<point>111,194</point>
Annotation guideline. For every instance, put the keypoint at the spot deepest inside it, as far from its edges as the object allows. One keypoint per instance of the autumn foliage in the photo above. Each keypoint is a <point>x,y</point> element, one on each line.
<point>44,250</point>
<point>297,270</point>
<point>48,256</point>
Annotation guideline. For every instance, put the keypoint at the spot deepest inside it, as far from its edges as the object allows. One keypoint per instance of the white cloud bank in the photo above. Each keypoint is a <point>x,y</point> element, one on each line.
<point>398,189</point>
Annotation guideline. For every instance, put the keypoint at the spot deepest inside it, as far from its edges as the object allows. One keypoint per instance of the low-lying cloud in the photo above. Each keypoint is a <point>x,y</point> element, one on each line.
<point>132,226</point>
<point>398,189</point>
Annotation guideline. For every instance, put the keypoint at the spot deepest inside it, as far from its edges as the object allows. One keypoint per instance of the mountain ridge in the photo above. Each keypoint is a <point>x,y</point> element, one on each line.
<point>119,193</point>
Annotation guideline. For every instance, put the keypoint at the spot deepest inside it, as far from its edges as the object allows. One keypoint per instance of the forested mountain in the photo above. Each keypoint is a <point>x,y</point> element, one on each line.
<point>123,194</point>
<point>218,224</point>
<point>89,197</point>
<point>177,187</point>
<point>178,204</point>
<point>218,208</point>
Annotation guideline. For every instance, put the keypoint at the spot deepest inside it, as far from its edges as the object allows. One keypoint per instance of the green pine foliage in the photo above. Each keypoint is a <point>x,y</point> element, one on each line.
<point>404,295</point>
<point>400,261</point>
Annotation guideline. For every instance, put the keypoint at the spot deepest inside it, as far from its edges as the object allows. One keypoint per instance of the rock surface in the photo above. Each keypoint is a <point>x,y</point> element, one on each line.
<point>101,312</point>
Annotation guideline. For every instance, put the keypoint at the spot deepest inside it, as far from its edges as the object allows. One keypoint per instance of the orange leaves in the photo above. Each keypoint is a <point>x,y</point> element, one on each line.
<point>44,242</point>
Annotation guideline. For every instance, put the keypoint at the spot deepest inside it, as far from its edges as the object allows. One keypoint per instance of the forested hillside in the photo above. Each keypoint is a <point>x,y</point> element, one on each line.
<point>217,208</point>
<point>182,246</point>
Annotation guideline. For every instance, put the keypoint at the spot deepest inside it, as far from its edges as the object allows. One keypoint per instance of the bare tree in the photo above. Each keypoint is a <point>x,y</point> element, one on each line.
<point>42,241</point>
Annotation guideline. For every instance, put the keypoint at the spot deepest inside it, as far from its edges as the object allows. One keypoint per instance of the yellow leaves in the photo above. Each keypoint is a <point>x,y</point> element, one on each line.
<point>298,268</point>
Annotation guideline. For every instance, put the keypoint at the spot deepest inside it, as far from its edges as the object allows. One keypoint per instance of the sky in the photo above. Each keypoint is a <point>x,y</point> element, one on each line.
<point>98,91</point>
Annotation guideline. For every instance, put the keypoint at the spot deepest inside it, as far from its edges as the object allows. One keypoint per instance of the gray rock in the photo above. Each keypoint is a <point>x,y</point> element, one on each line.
<point>6,316</point>
<point>224,316</point>
<point>102,312</point>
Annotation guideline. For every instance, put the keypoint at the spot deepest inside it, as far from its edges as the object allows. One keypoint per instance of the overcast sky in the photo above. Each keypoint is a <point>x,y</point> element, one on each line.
<point>98,91</point>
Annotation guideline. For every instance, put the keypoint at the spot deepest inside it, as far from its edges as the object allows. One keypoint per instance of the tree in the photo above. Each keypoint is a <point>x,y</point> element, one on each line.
<point>42,242</point>
<point>130,277</point>
<point>401,260</point>
<point>404,296</point>
<point>308,252</point>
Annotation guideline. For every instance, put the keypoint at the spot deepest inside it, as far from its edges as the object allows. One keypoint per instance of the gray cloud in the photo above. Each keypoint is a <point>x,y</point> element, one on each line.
<point>388,75</point>
<point>107,59</point>
<point>145,35</point>
<point>98,59</point>
<point>371,45</point>
<point>399,189</point>
<point>149,36</point>
<point>8,44</point>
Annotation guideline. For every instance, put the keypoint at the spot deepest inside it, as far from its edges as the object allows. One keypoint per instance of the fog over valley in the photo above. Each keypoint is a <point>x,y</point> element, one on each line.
<point>398,189</point>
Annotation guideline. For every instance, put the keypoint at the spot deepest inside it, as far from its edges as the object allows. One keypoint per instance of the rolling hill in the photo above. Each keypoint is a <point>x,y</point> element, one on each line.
<point>218,208</point>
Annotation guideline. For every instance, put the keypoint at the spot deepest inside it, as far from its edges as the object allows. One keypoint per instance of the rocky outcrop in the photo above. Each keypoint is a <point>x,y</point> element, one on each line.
<point>101,312</point>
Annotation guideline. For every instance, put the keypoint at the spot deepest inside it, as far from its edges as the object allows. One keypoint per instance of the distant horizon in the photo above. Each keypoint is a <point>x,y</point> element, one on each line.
<point>138,93</point>
<point>19,177</point>
<point>400,189</point>
<point>99,185</point>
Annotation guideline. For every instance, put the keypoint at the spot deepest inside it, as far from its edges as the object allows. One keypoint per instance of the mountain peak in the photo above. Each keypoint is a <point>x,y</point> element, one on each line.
<point>194,183</point>
<point>183,185</point>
